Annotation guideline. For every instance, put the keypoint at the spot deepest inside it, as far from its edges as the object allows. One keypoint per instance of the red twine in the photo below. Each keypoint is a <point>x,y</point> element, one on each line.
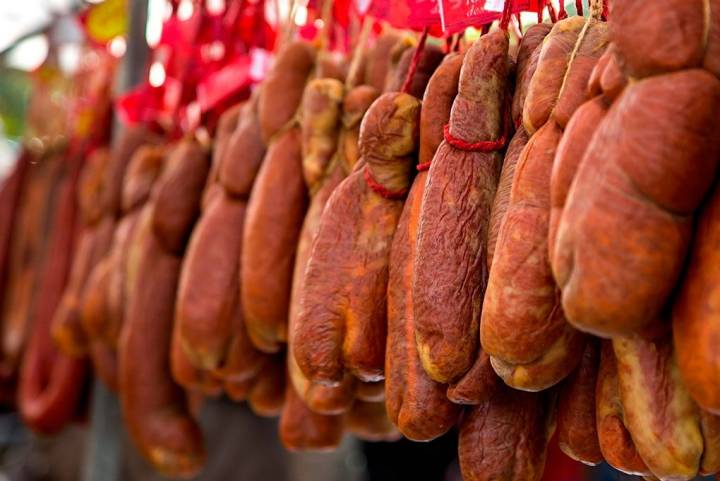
<point>380,189</point>
<point>507,12</point>
<point>424,166</point>
<point>579,7</point>
<point>481,146</point>
<point>562,13</point>
<point>551,11</point>
<point>415,61</point>
<point>540,16</point>
<point>458,41</point>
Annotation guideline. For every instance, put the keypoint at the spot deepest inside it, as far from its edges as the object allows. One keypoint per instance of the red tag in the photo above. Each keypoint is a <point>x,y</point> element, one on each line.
<point>224,83</point>
<point>209,64</point>
<point>409,14</point>
<point>396,13</point>
<point>457,15</point>
<point>143,104</point>
<point>341,12</point>
<point>425,13</point>
<point>177,43</point>
<point>247,25</point>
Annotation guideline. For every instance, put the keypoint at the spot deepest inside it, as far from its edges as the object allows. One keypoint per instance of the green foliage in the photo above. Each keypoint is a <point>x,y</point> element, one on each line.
<point>14,94</point>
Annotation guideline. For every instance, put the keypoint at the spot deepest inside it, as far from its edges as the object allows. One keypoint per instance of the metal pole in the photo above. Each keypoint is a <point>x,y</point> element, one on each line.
<point>133,67</point>
<point>104,450</point>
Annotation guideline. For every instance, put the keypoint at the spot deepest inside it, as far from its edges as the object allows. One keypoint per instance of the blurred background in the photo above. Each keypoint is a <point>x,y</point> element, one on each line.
<point>246,447</point>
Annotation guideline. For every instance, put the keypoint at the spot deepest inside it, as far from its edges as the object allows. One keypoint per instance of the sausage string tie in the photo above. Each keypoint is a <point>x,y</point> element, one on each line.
<point>480,146</point>
<point>579,7</point>
<point>595,14</point>
<point>447,48</point>
<point>414,62</point>
<point>506,15</point>
<point>357,54</point>
<point>380,189</point>
<point>551,11</point>
<point>424,166</point>
<point>458,41</point>
<point>450,42</point>
<point>562,13</point>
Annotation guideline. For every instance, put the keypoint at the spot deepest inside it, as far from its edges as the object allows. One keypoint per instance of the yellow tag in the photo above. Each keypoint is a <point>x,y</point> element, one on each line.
<point>107,20</point>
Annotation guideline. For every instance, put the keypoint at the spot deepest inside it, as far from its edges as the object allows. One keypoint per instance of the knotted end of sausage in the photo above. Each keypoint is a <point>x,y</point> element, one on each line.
<point>389,139</point>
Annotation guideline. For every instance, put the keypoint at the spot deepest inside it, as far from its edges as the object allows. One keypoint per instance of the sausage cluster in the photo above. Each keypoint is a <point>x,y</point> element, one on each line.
<point>518,241</point>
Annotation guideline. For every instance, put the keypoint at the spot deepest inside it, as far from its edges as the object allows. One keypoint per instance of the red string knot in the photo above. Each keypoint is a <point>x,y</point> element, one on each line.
<point>481,146</point>
<point>380,189</point>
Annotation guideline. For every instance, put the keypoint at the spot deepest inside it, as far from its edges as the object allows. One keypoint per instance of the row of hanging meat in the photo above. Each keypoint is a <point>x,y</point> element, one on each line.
<point>520,241</point>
